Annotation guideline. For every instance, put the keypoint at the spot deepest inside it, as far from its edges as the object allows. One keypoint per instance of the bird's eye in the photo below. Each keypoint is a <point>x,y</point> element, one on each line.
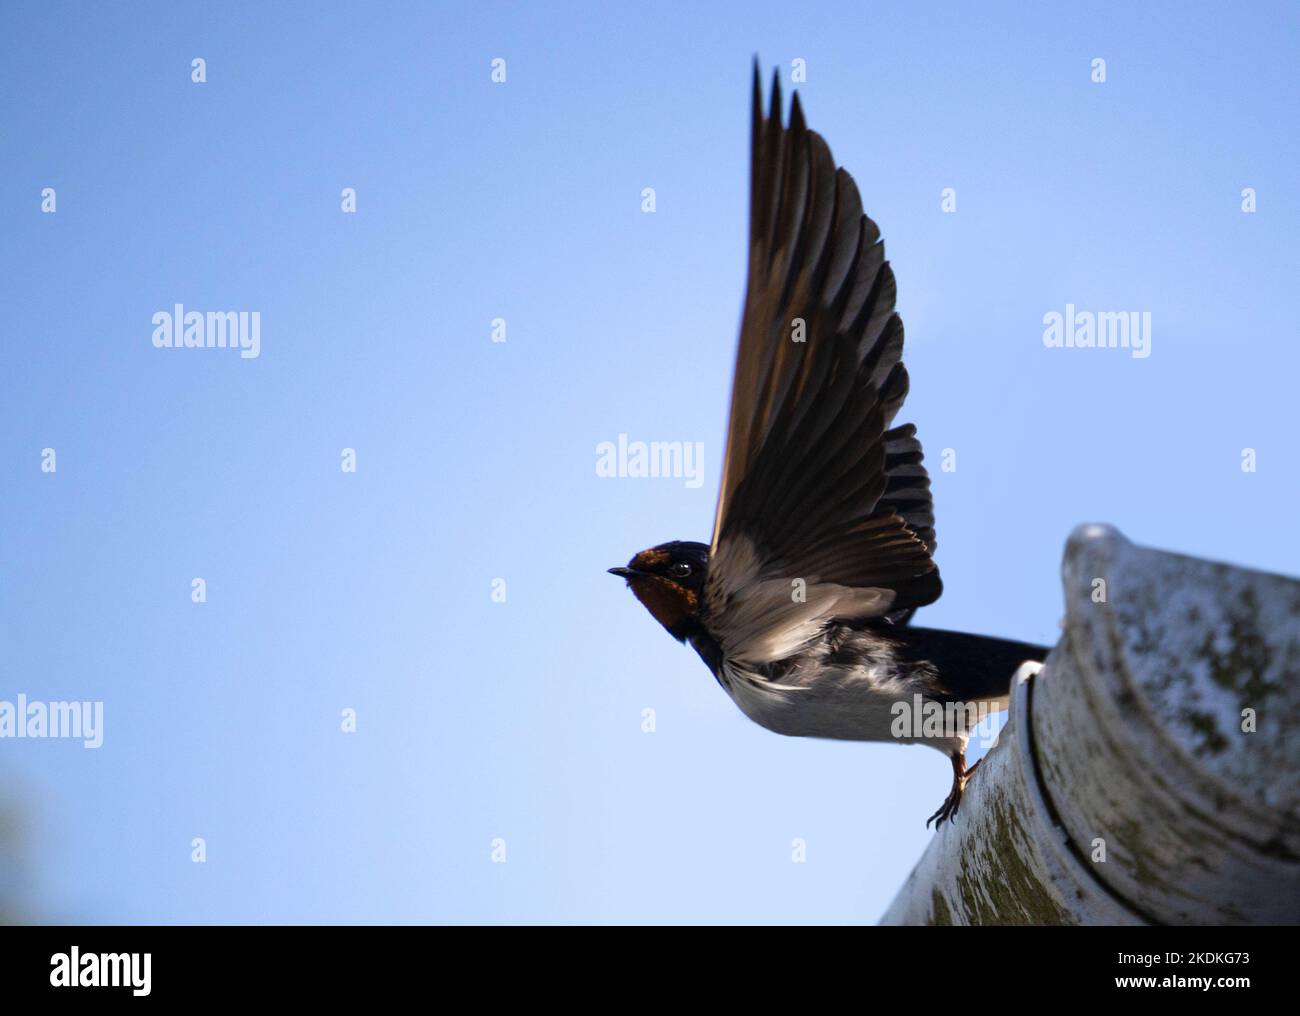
<point>679,569</point>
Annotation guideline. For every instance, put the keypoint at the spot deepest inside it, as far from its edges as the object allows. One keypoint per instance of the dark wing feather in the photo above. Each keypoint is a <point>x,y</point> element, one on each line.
<point>816,486</point>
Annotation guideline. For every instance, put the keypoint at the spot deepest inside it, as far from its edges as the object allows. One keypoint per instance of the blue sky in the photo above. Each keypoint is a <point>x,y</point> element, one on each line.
<point>476,460</point>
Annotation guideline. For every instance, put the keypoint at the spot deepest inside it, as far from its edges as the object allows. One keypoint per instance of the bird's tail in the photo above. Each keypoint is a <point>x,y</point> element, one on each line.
<point>971,668</point>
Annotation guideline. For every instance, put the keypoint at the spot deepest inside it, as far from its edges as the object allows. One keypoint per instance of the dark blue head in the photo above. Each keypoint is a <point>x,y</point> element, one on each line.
<point>669,582</point>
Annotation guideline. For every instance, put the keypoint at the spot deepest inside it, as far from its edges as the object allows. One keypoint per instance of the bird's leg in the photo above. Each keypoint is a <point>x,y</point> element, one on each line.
<point>952,802</point>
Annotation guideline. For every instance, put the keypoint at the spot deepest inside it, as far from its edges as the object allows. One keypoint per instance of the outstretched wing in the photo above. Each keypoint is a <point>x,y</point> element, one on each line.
<point>825,511</point>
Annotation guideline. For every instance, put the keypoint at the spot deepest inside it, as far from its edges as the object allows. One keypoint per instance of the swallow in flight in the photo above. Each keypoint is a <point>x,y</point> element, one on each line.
<point>823,540</point>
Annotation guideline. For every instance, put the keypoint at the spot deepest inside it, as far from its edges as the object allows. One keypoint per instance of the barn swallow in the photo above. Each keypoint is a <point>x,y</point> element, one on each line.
<point>823,539</point>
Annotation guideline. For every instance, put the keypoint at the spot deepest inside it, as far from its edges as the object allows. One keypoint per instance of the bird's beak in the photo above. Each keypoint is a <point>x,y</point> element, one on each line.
<point>626,573</point>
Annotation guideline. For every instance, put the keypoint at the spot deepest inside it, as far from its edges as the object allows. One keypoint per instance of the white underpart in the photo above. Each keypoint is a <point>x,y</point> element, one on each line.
<point>844,703</point>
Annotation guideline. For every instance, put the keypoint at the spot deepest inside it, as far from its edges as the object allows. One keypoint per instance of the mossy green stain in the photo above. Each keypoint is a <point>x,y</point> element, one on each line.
<point>1003,887</point>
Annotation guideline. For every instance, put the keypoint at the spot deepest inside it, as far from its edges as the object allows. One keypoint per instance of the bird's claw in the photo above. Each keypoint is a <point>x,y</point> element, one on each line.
<point>960,777</point>
<point>950,805</point>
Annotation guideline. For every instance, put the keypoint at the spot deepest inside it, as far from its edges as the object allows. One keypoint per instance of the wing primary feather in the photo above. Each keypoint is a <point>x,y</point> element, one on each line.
<point>815,484</point>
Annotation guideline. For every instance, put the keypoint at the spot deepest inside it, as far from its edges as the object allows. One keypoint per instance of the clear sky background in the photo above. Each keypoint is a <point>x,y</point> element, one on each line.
<point>475,461</point>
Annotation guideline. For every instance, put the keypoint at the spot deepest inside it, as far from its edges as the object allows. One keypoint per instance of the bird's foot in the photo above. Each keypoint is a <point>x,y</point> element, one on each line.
<point>950,805</point>
<point>960,776</point>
